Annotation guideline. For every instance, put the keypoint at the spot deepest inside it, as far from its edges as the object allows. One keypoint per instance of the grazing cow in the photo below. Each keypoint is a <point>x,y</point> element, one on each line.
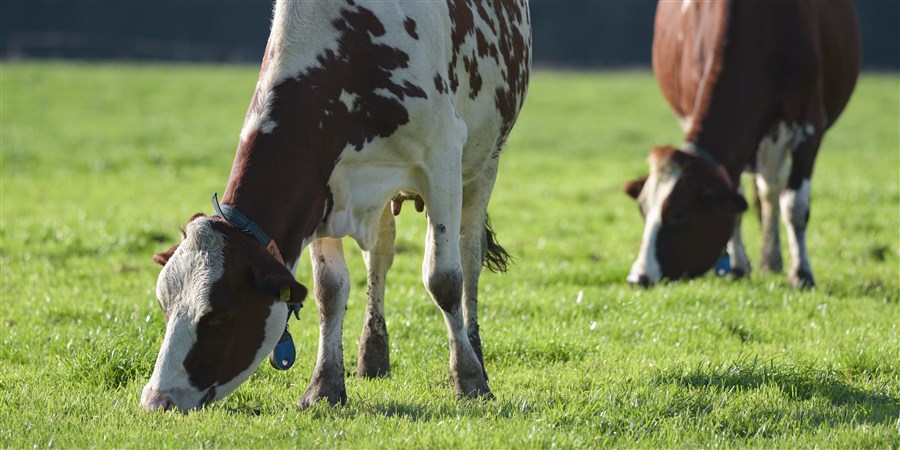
<point>357,103</point>
<point>755,84</point>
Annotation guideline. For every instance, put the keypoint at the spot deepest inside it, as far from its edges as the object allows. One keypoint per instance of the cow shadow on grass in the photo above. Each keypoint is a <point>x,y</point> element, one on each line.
<point>796,382</point>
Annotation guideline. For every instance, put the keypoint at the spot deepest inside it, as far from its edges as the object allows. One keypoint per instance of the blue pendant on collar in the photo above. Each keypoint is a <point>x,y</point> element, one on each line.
<point>283,355</point>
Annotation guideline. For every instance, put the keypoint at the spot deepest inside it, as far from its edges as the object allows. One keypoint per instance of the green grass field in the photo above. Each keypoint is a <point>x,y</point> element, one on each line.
<point>102,163</point>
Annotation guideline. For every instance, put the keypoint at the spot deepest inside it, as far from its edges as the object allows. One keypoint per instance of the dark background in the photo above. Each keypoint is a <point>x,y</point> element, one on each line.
<point>567,33</point>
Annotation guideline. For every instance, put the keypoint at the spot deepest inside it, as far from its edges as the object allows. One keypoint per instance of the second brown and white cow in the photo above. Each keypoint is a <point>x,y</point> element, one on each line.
<point>755,84</point>
<point>357,103</point>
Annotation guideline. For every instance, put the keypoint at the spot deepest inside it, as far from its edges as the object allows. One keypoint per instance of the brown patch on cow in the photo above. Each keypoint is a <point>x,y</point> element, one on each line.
<point>287,197</point>
<point>231,333</point>
<point>511,51</point>
<point>163,257</point>
<point>410,26</point>
<point>439,84</point>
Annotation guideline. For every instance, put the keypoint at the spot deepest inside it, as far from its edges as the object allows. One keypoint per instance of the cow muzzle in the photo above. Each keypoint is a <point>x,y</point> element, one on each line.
<point>153,400</point>
<point>640,280</point>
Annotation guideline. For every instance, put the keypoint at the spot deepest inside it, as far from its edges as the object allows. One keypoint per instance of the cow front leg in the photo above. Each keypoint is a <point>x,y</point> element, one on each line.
<point>772,169</point>
<point>737,254</point>
<point>443,277</point>
<point>374,356</point>
<point>331,285</point>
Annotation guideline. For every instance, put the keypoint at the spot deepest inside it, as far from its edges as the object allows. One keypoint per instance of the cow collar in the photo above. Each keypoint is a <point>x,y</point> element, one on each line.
<point>690,147</point>
<point>242,223</point>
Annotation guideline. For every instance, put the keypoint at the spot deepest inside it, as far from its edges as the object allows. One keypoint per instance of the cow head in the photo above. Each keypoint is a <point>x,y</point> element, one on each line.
<point>225,301</point>
<point>689,206</point>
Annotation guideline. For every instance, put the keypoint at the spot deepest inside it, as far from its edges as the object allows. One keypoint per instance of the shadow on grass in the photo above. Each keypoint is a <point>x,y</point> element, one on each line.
<point>797,382</point>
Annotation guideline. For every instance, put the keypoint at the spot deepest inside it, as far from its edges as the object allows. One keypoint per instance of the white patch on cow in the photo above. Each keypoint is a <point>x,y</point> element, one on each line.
<point>170,380</point>
<point>685,5</point>
<point>657,188</point>
<point>686,122</point>
<point>773,158</point>
<point>184,282</point>
<point>349,100</point>
<point>809,129</point>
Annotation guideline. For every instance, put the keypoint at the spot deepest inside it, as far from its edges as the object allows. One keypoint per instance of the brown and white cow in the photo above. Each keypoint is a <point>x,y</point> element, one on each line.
<point>755,84</point>
<point>357,103</point>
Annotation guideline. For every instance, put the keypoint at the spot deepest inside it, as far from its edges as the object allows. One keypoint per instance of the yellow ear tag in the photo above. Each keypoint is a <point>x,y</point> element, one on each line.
<point>285,293</point>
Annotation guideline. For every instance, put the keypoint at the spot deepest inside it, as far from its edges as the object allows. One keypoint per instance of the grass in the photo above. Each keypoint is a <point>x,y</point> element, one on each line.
<point>102,163</point>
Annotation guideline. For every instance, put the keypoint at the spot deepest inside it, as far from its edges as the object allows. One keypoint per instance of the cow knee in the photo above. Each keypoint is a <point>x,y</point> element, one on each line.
<point>445,287</point>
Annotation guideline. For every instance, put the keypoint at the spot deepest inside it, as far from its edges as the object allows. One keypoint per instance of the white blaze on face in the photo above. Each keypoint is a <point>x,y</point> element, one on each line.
<point>183,291</point>
<point>657,188</point>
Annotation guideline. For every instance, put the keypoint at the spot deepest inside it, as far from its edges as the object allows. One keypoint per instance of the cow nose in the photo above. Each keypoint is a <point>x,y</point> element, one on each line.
<point>153,400</point>
<point>641,280</point>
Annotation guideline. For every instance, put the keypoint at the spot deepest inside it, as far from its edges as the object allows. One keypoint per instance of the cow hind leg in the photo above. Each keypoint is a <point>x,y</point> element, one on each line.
<point>374,357</point>
<point>478,247</point>
<point>442,274</point>
<point>331,286</point>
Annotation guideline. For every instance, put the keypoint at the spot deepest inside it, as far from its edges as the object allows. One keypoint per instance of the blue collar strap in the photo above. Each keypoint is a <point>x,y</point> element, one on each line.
<point>690,147</point>
<point>242,223</point>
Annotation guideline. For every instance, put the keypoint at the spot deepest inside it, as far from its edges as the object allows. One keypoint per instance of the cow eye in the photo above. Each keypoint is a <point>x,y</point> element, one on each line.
<point>215,319</point>
<point>676,216</point>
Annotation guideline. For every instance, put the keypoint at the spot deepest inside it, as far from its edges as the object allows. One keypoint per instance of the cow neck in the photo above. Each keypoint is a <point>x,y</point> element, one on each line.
<point>280,188</point>
<point>720,128</point>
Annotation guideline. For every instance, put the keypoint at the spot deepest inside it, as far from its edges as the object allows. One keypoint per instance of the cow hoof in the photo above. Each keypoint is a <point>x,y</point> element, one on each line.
<point>368,370</point>
<point>639,280</point>
<point>316,393</point>
<point>474,388</point>
<point>802,279</point>
<point>374,359</point>
<point>738,273</point>
<point>771,267</point>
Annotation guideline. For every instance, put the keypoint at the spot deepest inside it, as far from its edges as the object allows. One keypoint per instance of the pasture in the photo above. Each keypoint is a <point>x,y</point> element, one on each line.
<point>102,163</point>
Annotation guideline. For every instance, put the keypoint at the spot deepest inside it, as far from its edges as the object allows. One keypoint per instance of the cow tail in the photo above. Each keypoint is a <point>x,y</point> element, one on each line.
<point>494,257</point>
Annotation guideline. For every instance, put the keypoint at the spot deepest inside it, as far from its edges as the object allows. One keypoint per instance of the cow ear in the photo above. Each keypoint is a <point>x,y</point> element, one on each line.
<point>163,258</point>
<point>279,283</point>
<point>728,200</point>
<point>634,187</point>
